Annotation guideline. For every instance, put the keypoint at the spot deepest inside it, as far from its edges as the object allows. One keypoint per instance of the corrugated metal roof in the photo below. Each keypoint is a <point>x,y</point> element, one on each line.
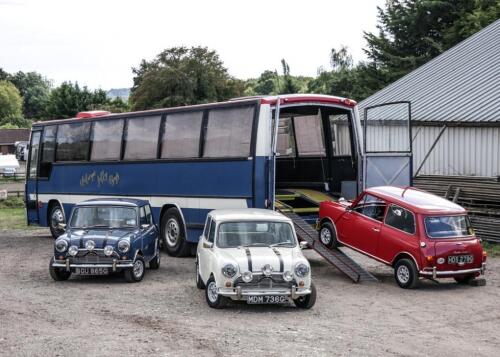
<point>460,85</point>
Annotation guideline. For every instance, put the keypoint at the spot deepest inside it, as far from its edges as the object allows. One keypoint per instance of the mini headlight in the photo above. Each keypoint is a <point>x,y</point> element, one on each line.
<point>229,270</point>
<point>73,250</point>
<point>61,245</point>
<point>90,245</point>
<point>287,276</point>
<point>108,250</point>
<point>301,270</point>
<point>247,276</point>
<point>267,270</point>
<point>123,246</point>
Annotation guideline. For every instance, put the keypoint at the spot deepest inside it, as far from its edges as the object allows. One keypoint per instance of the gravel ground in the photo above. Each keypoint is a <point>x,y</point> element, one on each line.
<point>166,315</point>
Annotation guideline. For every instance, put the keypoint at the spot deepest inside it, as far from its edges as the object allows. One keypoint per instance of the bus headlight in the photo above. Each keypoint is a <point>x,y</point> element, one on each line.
<point>229,270</point>
<point>73,250</point>
<point>301,270</point>
<point>123,246</point>
<point>61,245</point>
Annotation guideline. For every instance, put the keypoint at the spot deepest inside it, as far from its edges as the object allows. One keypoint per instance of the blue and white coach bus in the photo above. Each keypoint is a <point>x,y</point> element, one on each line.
<point>189,160</point>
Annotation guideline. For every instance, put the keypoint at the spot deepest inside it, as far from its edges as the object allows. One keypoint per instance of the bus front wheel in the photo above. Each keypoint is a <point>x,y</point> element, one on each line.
<point>56,217</point>
<point>172,233</point>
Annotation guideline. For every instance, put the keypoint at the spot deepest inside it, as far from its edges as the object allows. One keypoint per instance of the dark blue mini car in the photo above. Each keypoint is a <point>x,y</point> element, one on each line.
<point>104,236</point>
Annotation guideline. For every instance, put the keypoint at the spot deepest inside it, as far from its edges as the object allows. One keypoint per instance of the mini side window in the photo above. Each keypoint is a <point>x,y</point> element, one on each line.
<point>149,216</point>
<point>211,236</point>
<point>372,207</point>
<point>401,219</point>
<point>207,227</point>
<point>142,215</point>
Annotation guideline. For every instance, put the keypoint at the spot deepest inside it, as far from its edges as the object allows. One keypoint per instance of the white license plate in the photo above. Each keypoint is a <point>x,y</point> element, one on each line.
<point>267,299</point>
<point>91,271</point>
<point>460,259</point>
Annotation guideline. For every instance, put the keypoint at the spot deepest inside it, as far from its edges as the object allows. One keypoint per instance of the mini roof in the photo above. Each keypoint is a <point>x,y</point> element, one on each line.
<point>416,200</point>
<point>114,202</point>
<point>248,214</point>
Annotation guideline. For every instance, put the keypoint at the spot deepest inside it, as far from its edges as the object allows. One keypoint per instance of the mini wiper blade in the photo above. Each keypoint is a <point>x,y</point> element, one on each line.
<point>280,243</point>
<point>256,245</point>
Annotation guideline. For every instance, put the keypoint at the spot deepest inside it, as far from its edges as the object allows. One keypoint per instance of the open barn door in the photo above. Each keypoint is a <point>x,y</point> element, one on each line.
<point>387,145</point>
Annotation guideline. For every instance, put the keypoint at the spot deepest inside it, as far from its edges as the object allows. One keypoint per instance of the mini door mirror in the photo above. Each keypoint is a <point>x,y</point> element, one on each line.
<point>207,244</point>
<point>61,226</point>
<point>303,245</point>
<point>144,226</point>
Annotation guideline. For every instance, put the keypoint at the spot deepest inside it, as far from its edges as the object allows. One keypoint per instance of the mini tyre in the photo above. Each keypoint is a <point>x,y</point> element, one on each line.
<point>199,282</point>
<point>58,274</point>
<point>172,233</point>
<point>214,300</point>
<point>464,279</point>
<point>328,235</point>
<point>56,216</point>
<point>405,273</point>
<point>155,262</point>
<point>136,273</point>
<point>306,301</point>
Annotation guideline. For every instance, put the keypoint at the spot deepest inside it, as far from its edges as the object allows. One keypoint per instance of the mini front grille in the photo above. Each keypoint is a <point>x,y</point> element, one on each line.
<point>91,258</point>
<point>264,283</point>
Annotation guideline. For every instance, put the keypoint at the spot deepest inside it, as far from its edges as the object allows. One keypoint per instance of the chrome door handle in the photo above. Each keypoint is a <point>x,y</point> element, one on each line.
<point>375,229</point>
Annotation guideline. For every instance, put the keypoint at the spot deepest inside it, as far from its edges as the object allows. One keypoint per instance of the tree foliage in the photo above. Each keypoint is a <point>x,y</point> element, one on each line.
<point>35,91</point>
<point>11,103</point>
<point>182,76</point>
<point>68,99</point>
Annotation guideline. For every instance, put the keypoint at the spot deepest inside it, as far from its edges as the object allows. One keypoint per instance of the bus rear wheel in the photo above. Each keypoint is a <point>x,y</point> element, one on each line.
<point>56,217</point>
<point>172,233</point>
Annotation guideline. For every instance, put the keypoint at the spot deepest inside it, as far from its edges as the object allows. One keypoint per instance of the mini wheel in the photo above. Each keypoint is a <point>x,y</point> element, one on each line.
<point>306,301</point>
<point>155,262</point>
<point>214,300</point>
<point>328,235</point>
<point>136,273</point>
<point>58,274</point>
<point>406,274</point>
<point>199,281</point>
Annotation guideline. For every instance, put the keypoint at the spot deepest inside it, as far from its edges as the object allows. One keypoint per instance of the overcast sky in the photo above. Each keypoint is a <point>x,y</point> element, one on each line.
<point>96,42</point>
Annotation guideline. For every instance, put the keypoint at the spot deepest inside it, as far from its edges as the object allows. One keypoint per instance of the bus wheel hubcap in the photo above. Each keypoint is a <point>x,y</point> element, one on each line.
<point>325,236</point>
<point>57,217</point>
<point>403,274</point>
<point>172,232</point>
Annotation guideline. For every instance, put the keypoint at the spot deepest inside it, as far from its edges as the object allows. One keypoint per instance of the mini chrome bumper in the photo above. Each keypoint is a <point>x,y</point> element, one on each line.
<point>434,273</point>
<point>116,264</point>
<point>239,293</point>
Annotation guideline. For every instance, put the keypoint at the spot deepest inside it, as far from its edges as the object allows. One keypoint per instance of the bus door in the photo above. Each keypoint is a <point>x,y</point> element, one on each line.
<point>31,187</point>
<point>387,145</point>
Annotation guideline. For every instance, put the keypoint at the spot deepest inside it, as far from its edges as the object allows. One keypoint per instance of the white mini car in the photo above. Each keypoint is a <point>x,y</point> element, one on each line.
<point>252,255</point>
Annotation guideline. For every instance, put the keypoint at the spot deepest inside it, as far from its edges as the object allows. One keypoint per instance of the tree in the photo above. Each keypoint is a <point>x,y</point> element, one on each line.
<point>35,91</point>
<point>411,32</point>
<point>288,84</point>
<point>68,99</point>
<point>11,103</point>
<point>182,76</point>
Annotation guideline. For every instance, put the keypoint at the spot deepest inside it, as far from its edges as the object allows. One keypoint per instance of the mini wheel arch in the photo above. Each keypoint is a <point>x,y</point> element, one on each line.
<point>404,255</point>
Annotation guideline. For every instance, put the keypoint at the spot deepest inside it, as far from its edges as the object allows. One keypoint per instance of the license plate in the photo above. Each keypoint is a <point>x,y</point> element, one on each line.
<point>460,259</point>
<point>91,271</point>
<point>267,299</point>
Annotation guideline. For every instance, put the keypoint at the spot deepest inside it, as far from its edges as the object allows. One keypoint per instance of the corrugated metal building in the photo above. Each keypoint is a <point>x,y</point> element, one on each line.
<point>455,101</point>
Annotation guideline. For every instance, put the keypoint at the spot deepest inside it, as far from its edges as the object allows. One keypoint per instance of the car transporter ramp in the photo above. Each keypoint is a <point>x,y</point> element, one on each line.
<point>336,257</point>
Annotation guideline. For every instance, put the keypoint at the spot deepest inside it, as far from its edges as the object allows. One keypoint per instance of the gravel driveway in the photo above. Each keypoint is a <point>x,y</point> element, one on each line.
<point>166,315</point>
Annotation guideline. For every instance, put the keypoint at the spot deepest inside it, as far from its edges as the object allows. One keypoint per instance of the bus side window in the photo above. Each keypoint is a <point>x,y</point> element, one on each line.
<point>142,138</point>
<point>73,142</point>
<point>181,137</point>
<point>48,150</point>
<point>309,135</point>
<point>229,132</point>
<point>286,139</point>
<point>106,140</point>
<point>341,136</point>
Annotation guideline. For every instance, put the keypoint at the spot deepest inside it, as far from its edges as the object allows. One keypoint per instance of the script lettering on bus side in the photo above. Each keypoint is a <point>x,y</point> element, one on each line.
<point>100,178</point>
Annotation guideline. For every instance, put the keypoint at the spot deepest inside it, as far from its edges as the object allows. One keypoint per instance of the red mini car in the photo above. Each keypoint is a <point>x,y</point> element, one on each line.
<point>415,232</point>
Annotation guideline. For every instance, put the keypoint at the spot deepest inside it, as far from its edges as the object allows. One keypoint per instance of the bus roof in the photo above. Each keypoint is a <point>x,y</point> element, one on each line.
<point>272,100</point>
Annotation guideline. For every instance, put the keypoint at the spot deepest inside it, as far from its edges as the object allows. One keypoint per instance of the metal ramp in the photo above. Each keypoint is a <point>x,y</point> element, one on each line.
<point>334,256</point>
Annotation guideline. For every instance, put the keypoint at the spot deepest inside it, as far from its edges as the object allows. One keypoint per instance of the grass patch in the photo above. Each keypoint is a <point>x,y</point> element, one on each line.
<point>13,218</point>
<point>493,249</point>
<point>12,202</point>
